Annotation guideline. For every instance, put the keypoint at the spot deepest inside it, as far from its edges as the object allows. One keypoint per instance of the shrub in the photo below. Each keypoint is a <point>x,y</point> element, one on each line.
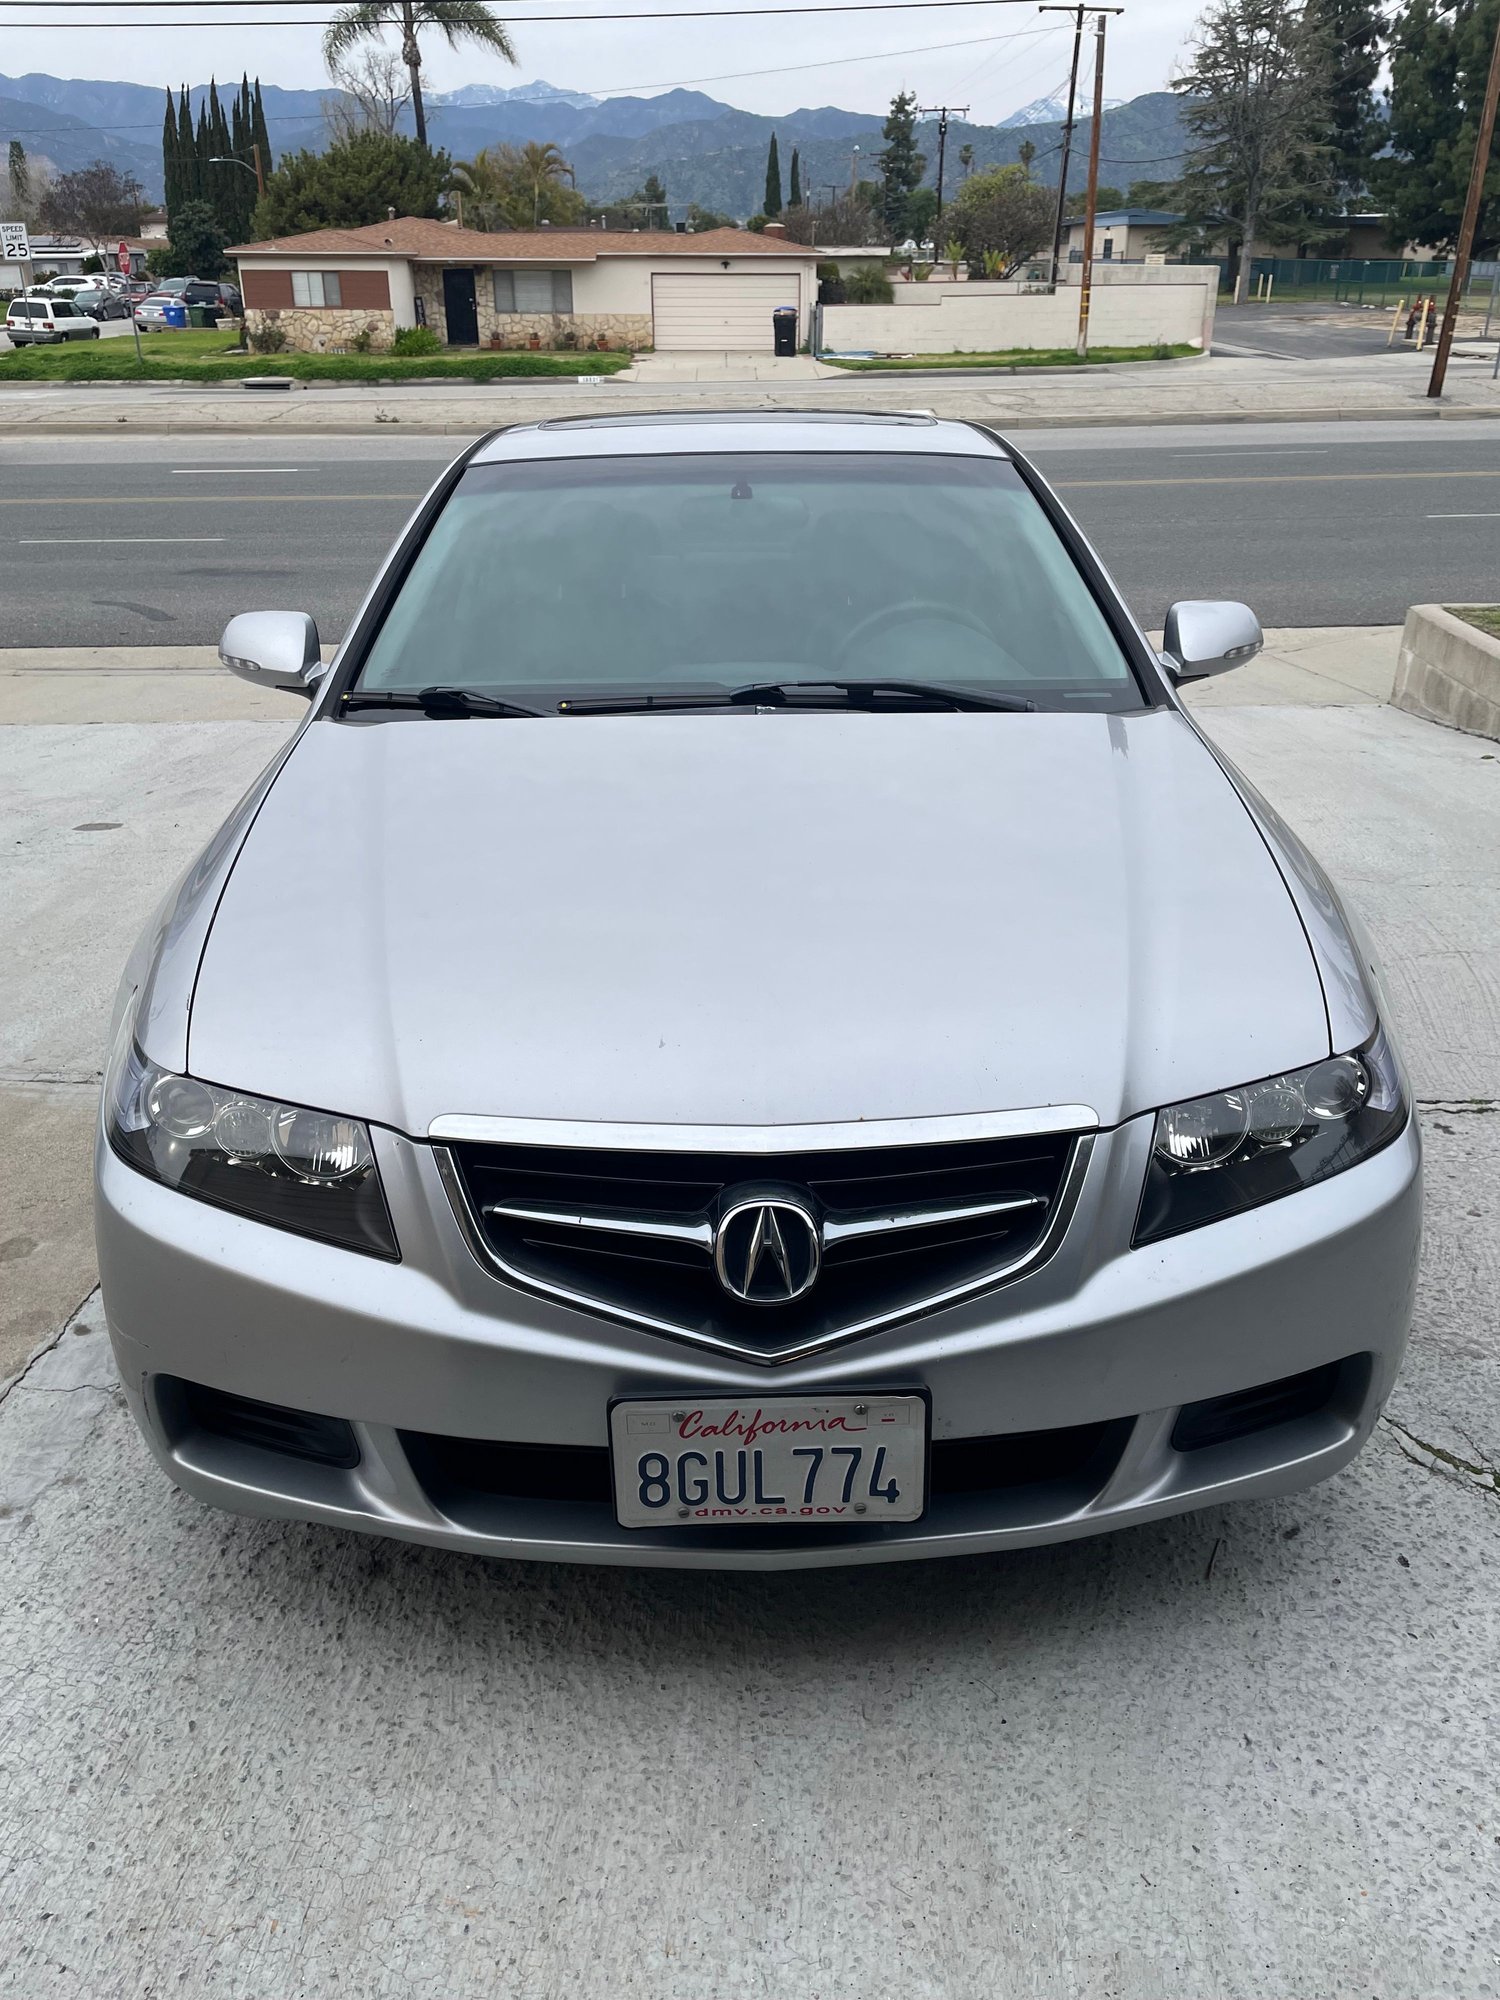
<point>416,340</point>
<point>268,338</point>
<point>867,285</point>
<point>364,341</point>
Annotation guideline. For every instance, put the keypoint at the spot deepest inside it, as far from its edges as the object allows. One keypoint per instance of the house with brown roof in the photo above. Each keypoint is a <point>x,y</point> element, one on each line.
<point>558,287</point>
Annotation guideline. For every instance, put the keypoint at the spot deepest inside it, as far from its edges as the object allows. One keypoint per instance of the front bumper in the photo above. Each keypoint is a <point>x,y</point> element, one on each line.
<point>1100,1335</point>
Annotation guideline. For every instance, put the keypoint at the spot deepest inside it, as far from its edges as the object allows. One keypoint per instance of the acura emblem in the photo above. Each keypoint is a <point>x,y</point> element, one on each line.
<point>767,1252</point>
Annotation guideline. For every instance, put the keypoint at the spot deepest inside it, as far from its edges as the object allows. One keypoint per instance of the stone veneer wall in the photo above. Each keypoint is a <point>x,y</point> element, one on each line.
<point>515,329</point>
<point>325,329</point>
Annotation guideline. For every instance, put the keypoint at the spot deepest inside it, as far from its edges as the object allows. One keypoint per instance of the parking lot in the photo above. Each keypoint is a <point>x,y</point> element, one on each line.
<point>1244,1752</point>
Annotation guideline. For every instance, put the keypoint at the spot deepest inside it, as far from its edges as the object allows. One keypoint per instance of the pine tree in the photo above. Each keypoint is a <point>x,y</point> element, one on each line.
<point>1351,33</point>
<point>1439,63</point>
<point>901,165</point>
<point>794,187</point>
<point>1255,116</point>
<point>772,203</point>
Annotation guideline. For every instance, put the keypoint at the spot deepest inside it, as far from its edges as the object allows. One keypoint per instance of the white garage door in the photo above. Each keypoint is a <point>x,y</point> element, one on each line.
<point>703,310</point>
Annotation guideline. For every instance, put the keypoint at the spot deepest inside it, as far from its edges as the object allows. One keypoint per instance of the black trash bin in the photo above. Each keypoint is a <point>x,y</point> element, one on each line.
<point>784,329</point>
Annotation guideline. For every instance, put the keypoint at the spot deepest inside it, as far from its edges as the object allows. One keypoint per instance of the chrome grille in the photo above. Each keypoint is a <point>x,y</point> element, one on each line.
<point>631,1234</point>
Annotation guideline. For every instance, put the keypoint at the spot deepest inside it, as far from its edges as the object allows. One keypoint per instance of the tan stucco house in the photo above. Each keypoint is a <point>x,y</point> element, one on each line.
<point>633,288</point>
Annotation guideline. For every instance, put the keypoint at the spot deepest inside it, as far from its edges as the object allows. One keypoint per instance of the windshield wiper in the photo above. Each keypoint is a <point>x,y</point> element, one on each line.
<point>773,694</point>
<point>870,691</point>
<point>442,703</point>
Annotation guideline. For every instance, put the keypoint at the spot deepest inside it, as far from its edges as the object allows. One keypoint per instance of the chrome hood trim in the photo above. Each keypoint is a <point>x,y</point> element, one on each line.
<point>763,1141</point>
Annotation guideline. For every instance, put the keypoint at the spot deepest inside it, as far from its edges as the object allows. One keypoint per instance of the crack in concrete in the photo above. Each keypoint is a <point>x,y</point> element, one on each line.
<point>8,1389</point>
<point>1480,1471</point>
<point>49,1079</point>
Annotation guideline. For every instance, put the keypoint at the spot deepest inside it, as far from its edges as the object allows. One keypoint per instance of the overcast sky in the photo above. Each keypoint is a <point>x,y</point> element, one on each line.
<point>946,54</point>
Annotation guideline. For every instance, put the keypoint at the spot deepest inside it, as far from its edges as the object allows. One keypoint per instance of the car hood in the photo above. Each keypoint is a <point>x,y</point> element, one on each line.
<point>752,919</point>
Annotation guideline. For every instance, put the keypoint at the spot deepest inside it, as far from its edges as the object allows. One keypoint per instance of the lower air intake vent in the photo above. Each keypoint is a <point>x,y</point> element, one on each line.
<point>766,1256</point>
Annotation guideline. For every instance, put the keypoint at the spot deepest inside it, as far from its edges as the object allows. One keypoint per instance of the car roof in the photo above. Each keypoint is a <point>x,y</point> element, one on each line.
<point>735,430</point>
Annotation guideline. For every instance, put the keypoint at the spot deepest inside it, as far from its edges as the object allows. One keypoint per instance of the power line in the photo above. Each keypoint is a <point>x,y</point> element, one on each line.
<point>787,69</point>
<point>512,20</point>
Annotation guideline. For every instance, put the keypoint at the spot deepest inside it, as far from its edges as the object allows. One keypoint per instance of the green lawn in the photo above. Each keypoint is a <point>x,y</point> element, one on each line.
<point>206,357</point>
<point>1484,617</point>
<point>1018,357</point>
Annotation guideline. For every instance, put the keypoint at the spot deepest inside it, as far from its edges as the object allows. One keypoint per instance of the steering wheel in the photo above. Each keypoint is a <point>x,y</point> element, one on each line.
<point>912,612</point>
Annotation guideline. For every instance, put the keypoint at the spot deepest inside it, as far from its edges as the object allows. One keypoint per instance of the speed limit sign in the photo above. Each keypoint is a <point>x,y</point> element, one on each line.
<point>15,245</point>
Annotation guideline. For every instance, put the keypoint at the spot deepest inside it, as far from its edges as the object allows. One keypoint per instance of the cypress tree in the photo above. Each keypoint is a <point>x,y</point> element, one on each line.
<point>772,203</point>
<point>794,186</point>
<point>170,192</point>
<point>259,136</point>
<point>187,154</point>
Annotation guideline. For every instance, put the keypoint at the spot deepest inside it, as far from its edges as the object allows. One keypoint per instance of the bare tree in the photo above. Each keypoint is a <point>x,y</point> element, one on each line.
<point>375,88</point>
<point>457,21</point>
<point>98,203</point>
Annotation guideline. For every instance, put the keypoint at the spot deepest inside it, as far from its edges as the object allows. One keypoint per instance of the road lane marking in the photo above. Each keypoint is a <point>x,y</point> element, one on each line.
<point>181,499</point>
<point>109,541</point>
<point>212,471</point>
<point>1260,479</point>
<point>1229,451</point>
<point>1463,517</point>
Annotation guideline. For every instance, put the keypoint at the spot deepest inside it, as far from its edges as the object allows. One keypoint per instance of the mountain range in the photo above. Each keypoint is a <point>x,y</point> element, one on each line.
<point>702,150</point>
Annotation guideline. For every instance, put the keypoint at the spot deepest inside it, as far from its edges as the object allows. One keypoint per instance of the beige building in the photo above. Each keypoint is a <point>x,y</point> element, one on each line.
<point>1121,235</point>
<point>513,288</point>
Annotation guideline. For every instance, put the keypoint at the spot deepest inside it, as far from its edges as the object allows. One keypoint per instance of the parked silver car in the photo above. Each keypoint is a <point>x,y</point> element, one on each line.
<point>750,1028</point>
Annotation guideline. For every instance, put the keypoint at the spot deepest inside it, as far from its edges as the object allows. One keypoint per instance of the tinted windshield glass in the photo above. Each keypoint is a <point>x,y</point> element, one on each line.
<point>587,576</point>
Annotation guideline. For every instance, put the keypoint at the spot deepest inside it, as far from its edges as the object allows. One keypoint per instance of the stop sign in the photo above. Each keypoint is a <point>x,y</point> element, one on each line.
<point>122,258</point>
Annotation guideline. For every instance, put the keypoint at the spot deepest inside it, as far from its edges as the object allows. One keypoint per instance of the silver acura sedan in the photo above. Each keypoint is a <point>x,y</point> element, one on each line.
<point>749,1028</point>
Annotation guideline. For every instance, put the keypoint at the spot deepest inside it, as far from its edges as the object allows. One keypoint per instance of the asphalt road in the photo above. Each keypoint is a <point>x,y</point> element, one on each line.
<point>159,540</point>
<point>1286,330</point>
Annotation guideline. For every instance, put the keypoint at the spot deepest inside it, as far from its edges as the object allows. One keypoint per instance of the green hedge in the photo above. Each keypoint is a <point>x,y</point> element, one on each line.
<point>170,358</point>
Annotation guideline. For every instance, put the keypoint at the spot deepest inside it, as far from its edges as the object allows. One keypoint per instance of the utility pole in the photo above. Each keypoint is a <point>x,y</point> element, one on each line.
<point>1067,140</point>
<point>942,113</point>
<point>260,172</point>
<point>1471,217</point>
<point>1091,202</point>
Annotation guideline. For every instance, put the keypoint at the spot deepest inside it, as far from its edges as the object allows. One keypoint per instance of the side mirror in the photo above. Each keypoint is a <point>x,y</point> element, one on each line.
<point>276,649</point>
<point>1209,636</point>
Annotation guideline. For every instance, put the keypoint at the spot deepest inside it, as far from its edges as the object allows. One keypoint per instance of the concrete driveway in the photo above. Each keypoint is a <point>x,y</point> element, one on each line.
<point>1249,1753</point>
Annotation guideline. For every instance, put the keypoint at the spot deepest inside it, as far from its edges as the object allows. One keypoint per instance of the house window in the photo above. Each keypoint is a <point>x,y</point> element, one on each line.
<point>315,288</point>
<point>533,291</point>
<point>1109,248</point>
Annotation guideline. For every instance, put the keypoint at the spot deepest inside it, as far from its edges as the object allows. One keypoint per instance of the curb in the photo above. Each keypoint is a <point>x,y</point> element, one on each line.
<point>1449,672</point>
<point>158,425</point>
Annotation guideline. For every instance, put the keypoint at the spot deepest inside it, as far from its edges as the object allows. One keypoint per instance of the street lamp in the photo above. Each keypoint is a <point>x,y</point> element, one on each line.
<point>232,160</point>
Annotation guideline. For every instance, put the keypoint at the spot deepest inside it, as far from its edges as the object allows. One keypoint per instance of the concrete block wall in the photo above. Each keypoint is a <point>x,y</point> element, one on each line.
<point>947,319</point>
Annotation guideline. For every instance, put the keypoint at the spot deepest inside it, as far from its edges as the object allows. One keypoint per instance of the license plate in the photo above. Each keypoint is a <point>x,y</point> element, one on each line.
<point>780,1461</point>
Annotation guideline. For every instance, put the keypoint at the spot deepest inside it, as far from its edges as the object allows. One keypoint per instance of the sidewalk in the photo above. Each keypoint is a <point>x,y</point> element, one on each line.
<point>1212,390</point>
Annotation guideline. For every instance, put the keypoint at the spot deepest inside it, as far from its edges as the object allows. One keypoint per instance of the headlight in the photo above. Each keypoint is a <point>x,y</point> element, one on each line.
<point>1214,1156</point>
<point>309,1171</point>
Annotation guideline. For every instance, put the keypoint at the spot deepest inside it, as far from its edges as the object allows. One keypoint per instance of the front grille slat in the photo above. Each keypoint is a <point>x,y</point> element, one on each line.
<point>631,1233</point>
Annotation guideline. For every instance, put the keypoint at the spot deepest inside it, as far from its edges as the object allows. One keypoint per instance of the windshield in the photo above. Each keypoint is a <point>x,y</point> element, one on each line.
<point>565,579</point>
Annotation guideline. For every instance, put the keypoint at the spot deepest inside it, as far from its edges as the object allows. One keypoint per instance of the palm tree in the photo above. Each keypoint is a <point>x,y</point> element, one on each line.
<point>966,158</point>
<point>455,20</point>
<point>542,167</point>
<point>510,187</point>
